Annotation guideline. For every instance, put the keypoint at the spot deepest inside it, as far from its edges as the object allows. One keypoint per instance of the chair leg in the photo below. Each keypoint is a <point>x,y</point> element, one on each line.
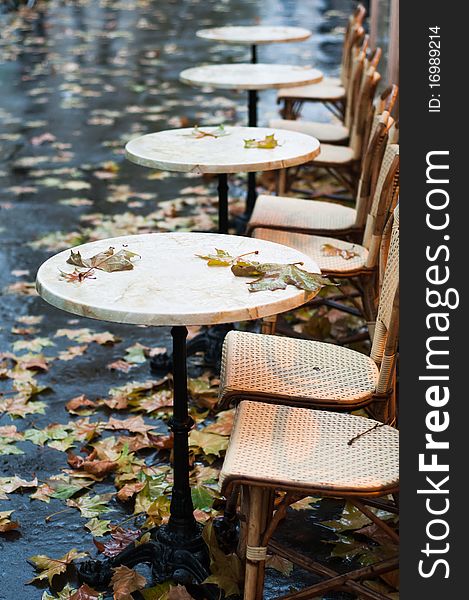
<point>255,518</point>
<point>268,325</point>
<point>281,182</point>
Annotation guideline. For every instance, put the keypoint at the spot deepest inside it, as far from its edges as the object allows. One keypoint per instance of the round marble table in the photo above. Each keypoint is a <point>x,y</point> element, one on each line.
<point>170,285</point>
<point>253,78</point>
<point>254,35</point>
<point>181,150</point>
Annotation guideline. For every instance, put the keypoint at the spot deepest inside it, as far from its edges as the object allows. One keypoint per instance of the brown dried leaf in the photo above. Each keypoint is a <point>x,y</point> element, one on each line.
<point>125,581</point>
<point>330,250</point>
<point>120,539</point>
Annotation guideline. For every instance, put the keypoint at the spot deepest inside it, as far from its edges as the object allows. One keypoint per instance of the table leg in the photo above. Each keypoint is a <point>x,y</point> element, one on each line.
<point>175,551</point>
<point>251,195</point>
<point>222,203</point>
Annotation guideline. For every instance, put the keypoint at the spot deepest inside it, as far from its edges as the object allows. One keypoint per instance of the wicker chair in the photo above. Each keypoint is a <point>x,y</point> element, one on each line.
<point>326,218</point>
<point>335,133</point>
<point>343,163</point>
<point>363,267</point>
<point>311,374</point>
<point>333,92</point>
<point>303,453</point>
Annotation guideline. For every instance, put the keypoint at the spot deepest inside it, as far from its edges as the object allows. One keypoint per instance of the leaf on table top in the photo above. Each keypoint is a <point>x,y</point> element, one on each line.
<point>214,132</point>
<point>6,524</point>
<point>120,539</point>
<point>223,258</point>
<point>50,567</point>
<point>108,260</point>
<point>330,250</point>
<point>125,581</point>
<point>276,276</point>
<point>270,276</point>
<point>267,143</point>
<point>98,527</point>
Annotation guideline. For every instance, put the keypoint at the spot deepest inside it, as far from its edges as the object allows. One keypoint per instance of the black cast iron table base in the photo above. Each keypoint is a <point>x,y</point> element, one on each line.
<point>176,550</point>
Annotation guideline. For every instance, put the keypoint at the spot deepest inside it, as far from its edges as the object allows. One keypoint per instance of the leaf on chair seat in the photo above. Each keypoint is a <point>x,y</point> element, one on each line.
<point>330,250</point>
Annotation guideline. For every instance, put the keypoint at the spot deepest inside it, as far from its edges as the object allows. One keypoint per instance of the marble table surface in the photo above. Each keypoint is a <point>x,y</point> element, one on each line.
<point>255,34</point>
<point>248,76</point>
<point>180,150</point>
<point>169,284</point>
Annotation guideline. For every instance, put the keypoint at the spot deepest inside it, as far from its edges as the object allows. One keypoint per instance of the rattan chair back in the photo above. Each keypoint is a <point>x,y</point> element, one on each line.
<point>385,339</point>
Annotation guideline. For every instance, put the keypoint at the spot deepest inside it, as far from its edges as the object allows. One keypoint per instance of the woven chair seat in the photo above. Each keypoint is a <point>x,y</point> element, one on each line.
<point>324,132</point>
<point>304,371</point>
<point>312,246</point>
<point>329,89</point>
<point>297,448</point>
<point>296,213</point>
<point>334,155</point>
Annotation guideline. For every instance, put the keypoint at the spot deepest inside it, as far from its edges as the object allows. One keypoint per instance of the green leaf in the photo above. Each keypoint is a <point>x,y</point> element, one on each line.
<point>209,443</point>
<point>202,497</point>
<point>157,592</point>
<point>220,259</point>
<point>92,506</point>
<point>268,142</point>
<point>97,527</point>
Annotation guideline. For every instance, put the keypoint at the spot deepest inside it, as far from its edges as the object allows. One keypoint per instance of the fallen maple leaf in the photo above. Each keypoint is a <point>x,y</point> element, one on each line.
<point>6,524</point>
<point>80,405</point>
<point>267,143</point>
<point>125,581</point>
<point>50,567</point>
<point>132,424</point>
<point>85,593</point>
<point>108,260</point>
<point>120,539</point>
<point>179,592</point>
<point>330,250</point>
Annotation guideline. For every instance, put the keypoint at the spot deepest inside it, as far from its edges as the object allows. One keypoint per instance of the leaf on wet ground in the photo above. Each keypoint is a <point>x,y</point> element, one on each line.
<point>125,581</point>
<point>98,527</point>
<point>6,524</point>
<point>119,540</point>
<point>92,506</point>
<point>50,567</point>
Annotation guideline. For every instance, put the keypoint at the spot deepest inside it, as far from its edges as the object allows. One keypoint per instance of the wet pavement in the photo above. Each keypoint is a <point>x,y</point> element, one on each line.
<point>78,79</point>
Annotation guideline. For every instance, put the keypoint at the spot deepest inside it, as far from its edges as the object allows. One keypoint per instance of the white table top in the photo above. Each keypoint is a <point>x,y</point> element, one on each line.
<point>169,285</point>
<point>180,150</point>
<point>247,76</point>
<point>255,34</point>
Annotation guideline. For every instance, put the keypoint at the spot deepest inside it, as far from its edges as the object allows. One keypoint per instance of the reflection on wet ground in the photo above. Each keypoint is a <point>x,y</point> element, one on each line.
<point>78,79</point>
